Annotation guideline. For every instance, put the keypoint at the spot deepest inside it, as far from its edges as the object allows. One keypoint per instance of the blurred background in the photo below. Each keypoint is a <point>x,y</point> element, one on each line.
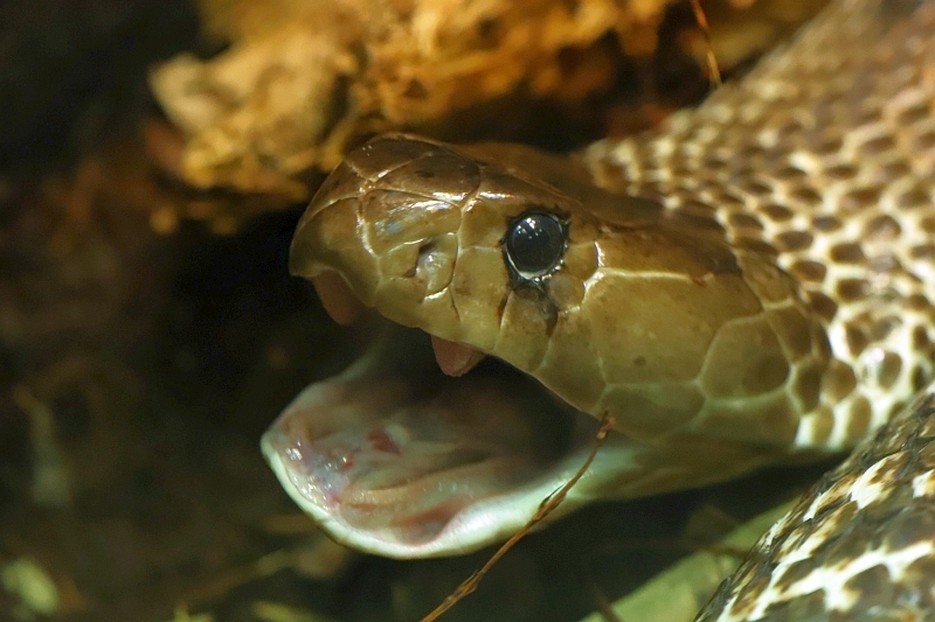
<point>154,159</point>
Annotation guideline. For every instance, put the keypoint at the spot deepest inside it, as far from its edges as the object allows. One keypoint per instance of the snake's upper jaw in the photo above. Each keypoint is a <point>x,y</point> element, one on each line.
<point>453,358</point>
<point>399,460</point>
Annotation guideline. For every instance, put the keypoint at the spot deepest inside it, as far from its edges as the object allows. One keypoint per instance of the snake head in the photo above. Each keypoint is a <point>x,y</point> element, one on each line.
<point>612,304</point>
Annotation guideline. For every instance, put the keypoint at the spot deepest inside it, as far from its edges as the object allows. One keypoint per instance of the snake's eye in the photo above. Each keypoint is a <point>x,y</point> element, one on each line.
<point>535,243</point>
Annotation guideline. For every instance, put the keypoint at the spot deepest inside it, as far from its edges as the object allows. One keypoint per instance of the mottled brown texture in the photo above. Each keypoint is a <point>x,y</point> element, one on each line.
<point>879,504</point>
<point>824,149</point>
<point>839,381</point>
<point>806,270</point>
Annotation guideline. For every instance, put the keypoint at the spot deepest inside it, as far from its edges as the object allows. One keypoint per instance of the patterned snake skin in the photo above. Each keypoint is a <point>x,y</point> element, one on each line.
<point>825,156</point>
<point>859,546</point>
<point>810,186</point>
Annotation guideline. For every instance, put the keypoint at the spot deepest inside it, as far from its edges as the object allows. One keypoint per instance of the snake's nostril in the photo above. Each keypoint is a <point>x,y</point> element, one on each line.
<point>426,248</point>
<point>422,256</point>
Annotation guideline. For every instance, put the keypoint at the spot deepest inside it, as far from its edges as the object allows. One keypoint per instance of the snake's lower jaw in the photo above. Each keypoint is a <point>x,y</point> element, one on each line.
<point>402,461</point>
<point>394,458</point>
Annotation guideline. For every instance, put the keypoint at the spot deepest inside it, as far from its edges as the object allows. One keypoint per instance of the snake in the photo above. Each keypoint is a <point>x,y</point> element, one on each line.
<point>750,283</point>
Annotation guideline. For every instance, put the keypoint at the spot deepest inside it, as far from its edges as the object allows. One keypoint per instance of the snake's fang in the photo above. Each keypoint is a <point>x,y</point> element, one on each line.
<point>336,297</point>
<point>455,359</point>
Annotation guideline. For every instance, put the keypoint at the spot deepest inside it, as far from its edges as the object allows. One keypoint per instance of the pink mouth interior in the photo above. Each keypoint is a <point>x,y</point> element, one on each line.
<point>410,470</point>
<point>399,450</point>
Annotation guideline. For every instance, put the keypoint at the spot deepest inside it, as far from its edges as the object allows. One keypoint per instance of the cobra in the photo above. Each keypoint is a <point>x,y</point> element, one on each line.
<point>750,283</point>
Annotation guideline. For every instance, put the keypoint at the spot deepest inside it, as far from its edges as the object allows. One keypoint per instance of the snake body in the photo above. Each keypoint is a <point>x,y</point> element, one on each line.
<point>749,283</point>
<point>822,159</point>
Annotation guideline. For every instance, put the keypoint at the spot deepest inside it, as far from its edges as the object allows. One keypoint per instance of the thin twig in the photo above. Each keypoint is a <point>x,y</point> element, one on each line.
<point>547,506</point>
<point>702,20</point>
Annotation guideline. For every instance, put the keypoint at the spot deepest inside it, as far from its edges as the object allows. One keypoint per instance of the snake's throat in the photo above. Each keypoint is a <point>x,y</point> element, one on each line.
<point>396,458</point>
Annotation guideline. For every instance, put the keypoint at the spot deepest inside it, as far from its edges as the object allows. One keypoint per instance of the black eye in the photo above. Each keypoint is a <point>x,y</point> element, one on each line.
<point>535,243</point>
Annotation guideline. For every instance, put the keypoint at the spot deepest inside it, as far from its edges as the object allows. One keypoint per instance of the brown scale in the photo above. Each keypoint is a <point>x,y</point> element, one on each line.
<point>826,224</point>
<point>847,252</point>
<point>857,339</point>
<point>849,290</point>
<point>858,199</point>
<point>890,368</point>
<point>841,172</point>
<point>838,382</point>
<point>809,271</point>
<point>824,306</point>
<point>883,226</point>
<point>920,338</point>
<point>739,221</point>
<point>928,224</point>
<point>923,252</point>
<point>924,141</point>
<point>913,199</point>
<point>791,241</point>
<point>806,196</point>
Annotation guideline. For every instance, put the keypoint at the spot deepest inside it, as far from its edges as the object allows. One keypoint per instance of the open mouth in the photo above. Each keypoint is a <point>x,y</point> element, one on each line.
<point>398,457</point>
<point>429,447</point>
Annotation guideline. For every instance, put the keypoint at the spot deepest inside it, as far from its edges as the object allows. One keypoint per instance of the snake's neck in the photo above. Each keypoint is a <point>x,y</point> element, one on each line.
<point>823,159</point>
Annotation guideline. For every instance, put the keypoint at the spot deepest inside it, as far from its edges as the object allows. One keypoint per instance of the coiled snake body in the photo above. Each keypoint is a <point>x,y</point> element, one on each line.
<point>752,282</point>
